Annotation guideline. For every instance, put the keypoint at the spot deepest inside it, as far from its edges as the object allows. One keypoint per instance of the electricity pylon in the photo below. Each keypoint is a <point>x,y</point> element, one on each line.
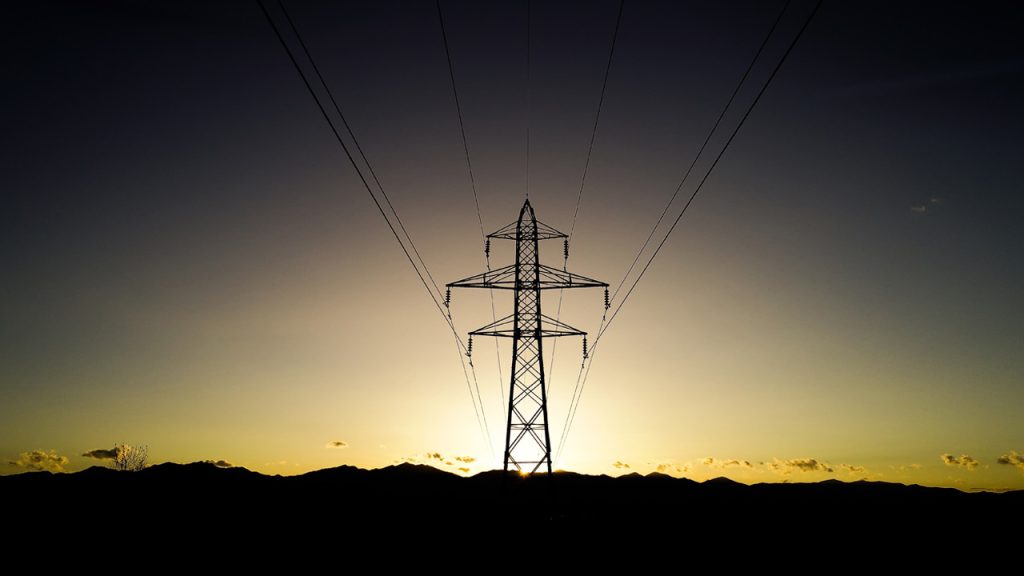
<point>527,437</point>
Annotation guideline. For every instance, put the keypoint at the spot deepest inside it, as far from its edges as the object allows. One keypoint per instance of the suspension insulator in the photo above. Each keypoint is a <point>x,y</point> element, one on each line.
<point>448,297</point>
<point>469,348</point>
<point>584,346</point>
<point>487,248</point>
<point>566,248</point>
<point>607,301</point>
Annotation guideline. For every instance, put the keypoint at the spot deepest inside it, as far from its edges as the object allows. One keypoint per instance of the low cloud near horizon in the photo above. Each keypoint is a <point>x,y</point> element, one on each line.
<point>801,464</point>
<point>337,444</point>
<point>447,460</point>
<point>40,460</point>
<point>666,468</point>
<point>103,453</point>
<point>1012,458</point>
<point>962,461</point>
<point>711,462</point>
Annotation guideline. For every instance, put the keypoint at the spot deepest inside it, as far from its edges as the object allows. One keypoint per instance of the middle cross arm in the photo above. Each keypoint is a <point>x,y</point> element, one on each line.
<point>505,279</point>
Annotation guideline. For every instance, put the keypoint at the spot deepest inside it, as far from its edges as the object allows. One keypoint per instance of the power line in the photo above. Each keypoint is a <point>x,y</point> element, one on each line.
<point>462,125</point>
<point>597,118</point>
<point>700,152</point>
<point>323,111</point>
<point>355,141</point>
<point>713,164</point>
<point>472,181</point>
<point>700,185</point>
<point>574,403</point>
<point>586,168</point>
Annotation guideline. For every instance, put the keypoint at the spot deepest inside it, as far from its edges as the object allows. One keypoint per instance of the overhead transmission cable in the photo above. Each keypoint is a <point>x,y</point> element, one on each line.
<point>703,145</point>
<point>583,180</point>
<point>355,141</point>
<point>732,136</point>
<point>480,414</point>
<point>476,198</point>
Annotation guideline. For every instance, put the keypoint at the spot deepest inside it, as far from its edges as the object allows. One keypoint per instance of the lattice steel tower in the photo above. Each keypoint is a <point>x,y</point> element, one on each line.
<point>527,436</point>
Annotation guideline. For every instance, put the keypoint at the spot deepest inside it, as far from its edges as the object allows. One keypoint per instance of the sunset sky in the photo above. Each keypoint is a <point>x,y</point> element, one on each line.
<point>189,261</point>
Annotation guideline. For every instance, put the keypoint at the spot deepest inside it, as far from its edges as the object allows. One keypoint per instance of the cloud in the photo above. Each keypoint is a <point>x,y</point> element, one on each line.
<point>962,461</point>
<point>41,460</point>
<point>464,470</point>
<point>712,463</point>
<point>742,463</point>
<point>620,465</point>
<point>669,468</point>
<point>1012,459</point>
<point>434,456</point>
<point>465,459</point>
<point>931,204</point>
<point>801,464</point>
<point>851,468</point>
<point>103,453</point>
<point>337,444</point>
<point>219,463</point>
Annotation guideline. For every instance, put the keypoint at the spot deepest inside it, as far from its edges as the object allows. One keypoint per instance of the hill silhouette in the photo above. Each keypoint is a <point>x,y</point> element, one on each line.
<point>421,500</point>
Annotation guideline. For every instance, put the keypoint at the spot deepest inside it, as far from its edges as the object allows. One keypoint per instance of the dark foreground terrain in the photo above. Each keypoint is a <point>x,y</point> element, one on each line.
<point>199,504</point>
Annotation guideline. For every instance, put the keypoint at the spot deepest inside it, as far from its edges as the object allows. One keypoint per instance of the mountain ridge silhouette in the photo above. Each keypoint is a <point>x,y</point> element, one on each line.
<point>421,501</point>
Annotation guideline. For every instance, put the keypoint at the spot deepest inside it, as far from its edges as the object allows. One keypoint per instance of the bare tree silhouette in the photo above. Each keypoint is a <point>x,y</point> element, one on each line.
<point>130,458</point>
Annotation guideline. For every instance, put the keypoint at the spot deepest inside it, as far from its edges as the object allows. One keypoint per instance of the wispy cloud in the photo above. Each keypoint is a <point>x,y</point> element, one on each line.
<point>41,460</point>
<point>446,460</point>
<point>668,468</point>
<point>1012,459</point>
<point>962,461</point>
<point>337,444</point>
<point>103,453</point>
<point>711,462</point>
<point>932,203</point>
<point>740,463</point>
<point>620,465</point>
<point>800,464</point>
<point>850,468</point>
<point>220,463</point>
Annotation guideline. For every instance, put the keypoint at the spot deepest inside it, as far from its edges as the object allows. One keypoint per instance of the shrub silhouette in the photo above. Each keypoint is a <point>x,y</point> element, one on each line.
<point>130,458</point>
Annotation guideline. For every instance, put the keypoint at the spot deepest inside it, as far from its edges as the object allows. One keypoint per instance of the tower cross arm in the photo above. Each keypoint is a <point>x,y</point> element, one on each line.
<point>548,278</point>
<point>551,278</point>
<point>503,278</point>
<point>547,328</point>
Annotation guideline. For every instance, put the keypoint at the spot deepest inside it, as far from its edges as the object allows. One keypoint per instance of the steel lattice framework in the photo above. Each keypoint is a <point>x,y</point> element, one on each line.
<point>527,436</point>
